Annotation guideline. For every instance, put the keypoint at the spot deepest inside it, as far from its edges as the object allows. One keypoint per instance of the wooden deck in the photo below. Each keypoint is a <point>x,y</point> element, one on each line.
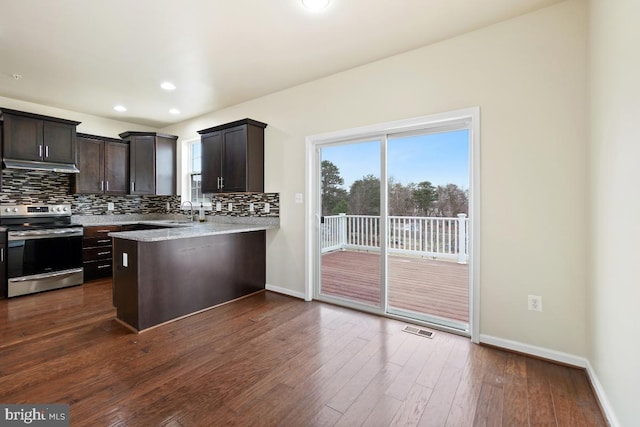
<point>437,288</point>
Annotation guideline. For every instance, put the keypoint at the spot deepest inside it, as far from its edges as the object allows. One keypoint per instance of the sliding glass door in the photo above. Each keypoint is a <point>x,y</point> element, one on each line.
<point>349,222</point>
<point>393,223</point>
<point>428,182</point>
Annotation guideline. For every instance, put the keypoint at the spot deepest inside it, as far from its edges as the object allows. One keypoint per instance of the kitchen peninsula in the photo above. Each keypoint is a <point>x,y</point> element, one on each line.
<point>165,274</point>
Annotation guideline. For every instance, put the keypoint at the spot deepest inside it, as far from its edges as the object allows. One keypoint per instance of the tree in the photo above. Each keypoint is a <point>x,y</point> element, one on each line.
<point>333,195</point>
<point>400,199</point>
<point>341,207</point>
<point>364,196</point>
<point>424,196</point>
<point>452,200</point>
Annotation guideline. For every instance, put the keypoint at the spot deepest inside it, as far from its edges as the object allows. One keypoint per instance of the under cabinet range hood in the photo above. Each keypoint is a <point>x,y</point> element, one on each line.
<point>40,166</point>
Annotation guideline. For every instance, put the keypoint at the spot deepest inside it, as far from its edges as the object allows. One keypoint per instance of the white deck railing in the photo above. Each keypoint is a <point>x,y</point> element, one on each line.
<point>435,237</point>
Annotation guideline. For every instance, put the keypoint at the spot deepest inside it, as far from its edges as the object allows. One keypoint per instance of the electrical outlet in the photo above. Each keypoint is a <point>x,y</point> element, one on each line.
<point>110,206</point>
<point>125,259</point>
<point>267,208</point>
<point>251,207</point>
<point>218,206</point>
<point>299,198</point>
<point>230,207</point>
<point>535,303</point>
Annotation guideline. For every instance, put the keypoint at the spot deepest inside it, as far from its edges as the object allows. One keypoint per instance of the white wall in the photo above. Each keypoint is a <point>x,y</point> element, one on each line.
<point>528,75</point>
<point>615,269</point>
<point>90,124</point>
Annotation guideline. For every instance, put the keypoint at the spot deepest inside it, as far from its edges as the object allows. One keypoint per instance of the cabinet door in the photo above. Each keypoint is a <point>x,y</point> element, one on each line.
<point>59,142</point>
<point>165,166</point>
<point>116,167</point>
<point>234,160</point>
<point>22,138</point>
<point>3,265</point>
<point>142,165</point>
<point>1,145</point>
<point>90,180</point>
<point>211,162</point>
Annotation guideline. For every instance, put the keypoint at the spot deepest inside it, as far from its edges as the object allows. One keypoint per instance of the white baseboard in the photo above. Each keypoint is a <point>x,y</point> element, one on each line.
<point>284,291</point>
<point>533,350</point>
<point>602,397</point>
<point>561,357</point>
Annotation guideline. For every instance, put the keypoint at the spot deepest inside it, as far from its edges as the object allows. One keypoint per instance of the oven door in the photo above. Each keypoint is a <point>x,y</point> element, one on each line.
<point>38,264</point>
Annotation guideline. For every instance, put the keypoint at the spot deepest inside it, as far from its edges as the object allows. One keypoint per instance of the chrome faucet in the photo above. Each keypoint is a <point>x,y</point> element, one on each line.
<point>191,205</point>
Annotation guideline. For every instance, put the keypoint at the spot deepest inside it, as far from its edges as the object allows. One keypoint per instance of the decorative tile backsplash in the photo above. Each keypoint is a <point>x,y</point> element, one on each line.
<point>241,204</point>
<point>96,204</point>
<point>22,187</point>
<point>34,187</point>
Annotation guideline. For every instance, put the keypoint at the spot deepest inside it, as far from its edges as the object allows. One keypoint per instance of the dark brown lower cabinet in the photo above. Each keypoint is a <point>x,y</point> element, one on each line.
<point>3,264</point>
<point>97,251</point>
<point>155,282</point>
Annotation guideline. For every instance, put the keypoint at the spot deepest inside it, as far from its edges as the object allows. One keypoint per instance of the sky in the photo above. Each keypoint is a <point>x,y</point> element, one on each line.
<point>441,158</point>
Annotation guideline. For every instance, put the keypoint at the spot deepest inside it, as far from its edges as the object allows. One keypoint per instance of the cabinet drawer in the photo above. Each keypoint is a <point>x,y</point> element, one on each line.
<point>97,269</point>
<point>98,253</point>
<point>100,231</point>
<point>96,241</point>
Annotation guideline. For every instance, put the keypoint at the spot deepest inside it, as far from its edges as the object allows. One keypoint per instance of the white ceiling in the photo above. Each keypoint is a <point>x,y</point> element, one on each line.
<point>89,55</point>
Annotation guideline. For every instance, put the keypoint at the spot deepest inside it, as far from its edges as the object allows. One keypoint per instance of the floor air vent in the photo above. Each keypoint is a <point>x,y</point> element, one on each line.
<point>418,331</point>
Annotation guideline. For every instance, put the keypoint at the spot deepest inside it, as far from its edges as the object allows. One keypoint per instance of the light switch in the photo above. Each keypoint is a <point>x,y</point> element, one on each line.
<point>218,206</point>
<point>267,207</point>
<point>230,207</point>
<point>250,207</point>
<point>299,198</point>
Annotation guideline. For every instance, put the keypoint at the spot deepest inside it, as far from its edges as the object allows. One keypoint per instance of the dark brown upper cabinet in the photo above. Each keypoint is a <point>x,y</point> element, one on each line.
<point>152,163</point>
<point>33,137</point>
<point>1,148</point>
<point>103,164</point>
<point>233,157</point>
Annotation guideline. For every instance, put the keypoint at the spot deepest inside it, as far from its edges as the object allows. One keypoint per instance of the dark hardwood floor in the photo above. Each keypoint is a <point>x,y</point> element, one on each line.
<point>270,360</point>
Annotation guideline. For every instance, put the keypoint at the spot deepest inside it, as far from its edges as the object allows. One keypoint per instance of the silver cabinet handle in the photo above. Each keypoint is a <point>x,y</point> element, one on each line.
<point>218,183</point>
<point>104,241</point>
<point>101,185</point>
<point>133,187</point>
<point>40,150</point>
<point>104,253</point>
<point>46,151</point>
<point>221,182</point>
<point>107,185</point>
<point>1,254</point>
<point>104,266</point>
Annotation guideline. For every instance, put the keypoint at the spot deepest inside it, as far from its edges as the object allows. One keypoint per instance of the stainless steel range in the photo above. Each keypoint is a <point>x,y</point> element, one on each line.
<point>44,249</point>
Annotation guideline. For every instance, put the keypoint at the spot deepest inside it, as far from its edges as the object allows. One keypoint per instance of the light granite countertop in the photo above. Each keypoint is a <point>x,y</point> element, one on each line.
<point>186,230</point>
<point>177,227</point>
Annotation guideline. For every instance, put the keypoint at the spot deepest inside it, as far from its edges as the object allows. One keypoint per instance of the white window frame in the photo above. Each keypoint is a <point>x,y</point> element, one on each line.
<point>187,170</point>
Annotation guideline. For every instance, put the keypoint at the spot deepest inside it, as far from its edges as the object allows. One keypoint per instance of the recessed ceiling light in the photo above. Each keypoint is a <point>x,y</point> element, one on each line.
<point>315,5</point>
<point>120,108</point>
<point>168,86</point>
<point>174,111</point>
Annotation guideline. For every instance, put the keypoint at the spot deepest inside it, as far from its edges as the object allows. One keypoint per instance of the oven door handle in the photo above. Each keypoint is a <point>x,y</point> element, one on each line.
<point>47,275</point>
<point>14,236</point>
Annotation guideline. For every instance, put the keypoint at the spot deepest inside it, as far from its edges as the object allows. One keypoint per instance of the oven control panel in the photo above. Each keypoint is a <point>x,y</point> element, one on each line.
<point>35,210</point>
